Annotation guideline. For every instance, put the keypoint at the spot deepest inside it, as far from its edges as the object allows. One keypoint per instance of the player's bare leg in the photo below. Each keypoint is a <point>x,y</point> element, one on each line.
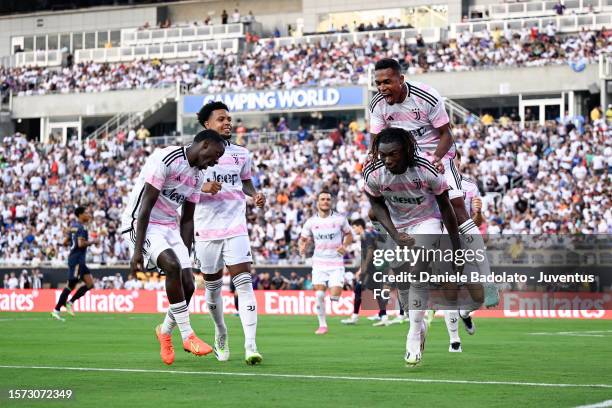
<point>241,277</point>
<point>170,264</point>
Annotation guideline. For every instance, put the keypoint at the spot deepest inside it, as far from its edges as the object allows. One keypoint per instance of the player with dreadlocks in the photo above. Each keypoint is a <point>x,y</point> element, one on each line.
<point>409,197</point>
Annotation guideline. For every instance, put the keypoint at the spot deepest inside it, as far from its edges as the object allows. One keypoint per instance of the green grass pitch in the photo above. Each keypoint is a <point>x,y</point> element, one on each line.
<point>343,368</point>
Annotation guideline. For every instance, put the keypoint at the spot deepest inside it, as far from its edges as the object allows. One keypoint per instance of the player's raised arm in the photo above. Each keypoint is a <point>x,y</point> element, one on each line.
<point>477,211</point>
<point>444,144</point>
<point>149,198</point>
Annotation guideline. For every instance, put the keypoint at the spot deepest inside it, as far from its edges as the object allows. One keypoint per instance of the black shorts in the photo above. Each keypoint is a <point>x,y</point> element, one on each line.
<point>77,270</point>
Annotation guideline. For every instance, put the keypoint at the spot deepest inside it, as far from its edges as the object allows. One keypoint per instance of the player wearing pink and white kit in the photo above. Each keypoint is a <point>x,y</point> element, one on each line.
<point>221,233</point>
<point>410,199</point>
<point>419,109</point>
<point>332,235</point>
<point>169,180</point>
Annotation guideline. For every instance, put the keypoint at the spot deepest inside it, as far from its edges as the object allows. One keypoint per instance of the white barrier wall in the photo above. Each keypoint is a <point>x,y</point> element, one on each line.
<point>85,104</point>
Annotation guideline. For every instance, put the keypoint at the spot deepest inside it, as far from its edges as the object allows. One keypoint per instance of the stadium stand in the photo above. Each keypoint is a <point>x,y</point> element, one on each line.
<point>553,179</point>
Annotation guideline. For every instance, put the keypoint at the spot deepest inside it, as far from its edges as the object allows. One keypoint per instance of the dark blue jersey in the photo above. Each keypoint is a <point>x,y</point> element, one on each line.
<point>77,255</point>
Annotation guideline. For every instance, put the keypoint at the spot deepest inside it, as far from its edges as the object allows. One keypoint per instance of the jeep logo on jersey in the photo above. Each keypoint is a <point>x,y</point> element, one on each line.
<point>172,195</point>
<point>417,133</point>
<point>325,236</point>
<point>225,178</point>
<point>406,200</point>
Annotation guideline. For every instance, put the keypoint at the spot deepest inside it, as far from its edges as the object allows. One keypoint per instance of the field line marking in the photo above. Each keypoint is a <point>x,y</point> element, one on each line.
<point>307,377</point>
<point>602,404</point>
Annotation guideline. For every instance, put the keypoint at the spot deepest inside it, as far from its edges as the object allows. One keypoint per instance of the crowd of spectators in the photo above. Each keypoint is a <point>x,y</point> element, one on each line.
<point>265,65</point>
<point>536,179</point>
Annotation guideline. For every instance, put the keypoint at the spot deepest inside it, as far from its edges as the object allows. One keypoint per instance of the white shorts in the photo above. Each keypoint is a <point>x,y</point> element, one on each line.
<point>158,239</point>
<point>214,255</point>
<point>330,277</point>
<point>426,234</point>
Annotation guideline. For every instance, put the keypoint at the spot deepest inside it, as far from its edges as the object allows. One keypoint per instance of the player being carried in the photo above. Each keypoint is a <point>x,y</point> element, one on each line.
<point>221,234</point>
<point>419,109</point>
<point>410,199</point>
<point>332,236</point>
<point>77,269</point>
<point>170,179</point>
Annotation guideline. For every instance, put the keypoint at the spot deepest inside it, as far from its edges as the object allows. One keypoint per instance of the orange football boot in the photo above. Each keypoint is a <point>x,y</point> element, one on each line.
<point>166,349</point>
<point>196,346</point>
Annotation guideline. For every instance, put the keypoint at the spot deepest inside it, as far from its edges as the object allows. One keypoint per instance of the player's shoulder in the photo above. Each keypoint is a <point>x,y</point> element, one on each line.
<point>424,166</point>
<point>423,92</point>
<point>371,167</point>
<point>468,183</point>
<point>376,99</point>
<point>236,148</point>
<point>169,155</point>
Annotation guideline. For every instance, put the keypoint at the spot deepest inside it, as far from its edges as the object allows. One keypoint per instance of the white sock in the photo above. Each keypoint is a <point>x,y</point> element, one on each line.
<point>214,300</point>
<point>247,306</point>
<point>414,332</point>
<point>465,313</point>
<point>169,323</point>
<point>475,243</point>
<point>355,316</point>
<point>180,312</point>
<point>451,317</point>
<point>321,308</point>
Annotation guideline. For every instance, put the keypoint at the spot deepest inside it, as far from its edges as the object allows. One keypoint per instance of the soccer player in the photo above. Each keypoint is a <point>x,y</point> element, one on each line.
<point>419,109</point>
<point>332,236</point>
<point>410,199</point>
<point>170,179</point>
<point>364,276</point>
<point>77,269</point>
<point>221,235</point>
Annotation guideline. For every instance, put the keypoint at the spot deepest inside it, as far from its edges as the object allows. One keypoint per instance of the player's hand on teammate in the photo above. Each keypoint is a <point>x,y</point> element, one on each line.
<point>211,187</point>
<point>437,162</point>
<point>404,240</point>
<point>477,204</point>
<point>137,263</point>
<point>260,200</point>
<point>341,250</point>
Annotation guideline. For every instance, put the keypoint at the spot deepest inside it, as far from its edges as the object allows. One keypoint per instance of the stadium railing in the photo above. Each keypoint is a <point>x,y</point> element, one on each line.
<point>563,24</point>
<point>133,36</point>
<point>252,140</point>
<point>540,8</point>
<point>52,58</point>
<point>430,35</point>
<point>508,256</point>
<point>162,51</point>
<point>605,67</point>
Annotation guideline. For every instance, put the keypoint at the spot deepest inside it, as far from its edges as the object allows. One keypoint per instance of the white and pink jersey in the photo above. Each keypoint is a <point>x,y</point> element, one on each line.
<point>470,191</point>
<point>223,215</point>
<point>327,233</point>
<point>410,196</point>
<point>420,113</point>
<point>168,171</point>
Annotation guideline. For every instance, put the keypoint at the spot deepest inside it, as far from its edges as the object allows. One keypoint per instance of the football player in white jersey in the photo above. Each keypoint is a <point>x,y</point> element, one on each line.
<point>410,199</point>
<point>170,179</point>
<point>221,235</point>
<point>332,236</point>
<point>419,109</point>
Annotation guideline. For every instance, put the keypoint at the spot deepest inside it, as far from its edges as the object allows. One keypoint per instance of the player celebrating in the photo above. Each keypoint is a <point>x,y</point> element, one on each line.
<point>170,179</point>
<point>332,235</point>
<point>77,269</point>
<point>419,110</point>
<point>221,233</point>
<point>410,199</point>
